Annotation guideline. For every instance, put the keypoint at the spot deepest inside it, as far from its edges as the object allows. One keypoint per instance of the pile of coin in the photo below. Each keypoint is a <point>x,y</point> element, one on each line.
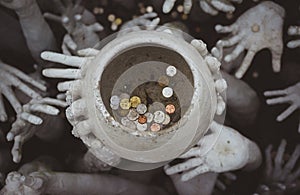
<point>136,114</point>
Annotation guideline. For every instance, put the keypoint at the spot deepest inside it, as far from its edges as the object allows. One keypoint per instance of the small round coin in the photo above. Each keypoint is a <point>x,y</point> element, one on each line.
<point>149,117</point>
<point>171,71</point>
<point>163,81</point>
<point>135,101</point>
<point>124,96</point>
<point>114,107</point>
<point>167,120</point>
<point>141,127</point>
<point>167,92</point>
<point>125,104</point>
<point>141,108</point>
<point>142,119</point>
<point>132,115</point>
<point>170,108</point>
<point>114,100</point>
<point>155,127</point>
<point>159,116</point>
<point>156,106</point>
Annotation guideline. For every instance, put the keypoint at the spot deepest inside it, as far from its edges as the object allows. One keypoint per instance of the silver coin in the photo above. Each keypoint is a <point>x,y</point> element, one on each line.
<point>156,106</point>
<point>141,127</point>
<point>171,71</point>
<point>115,100</point>
<point>167,119</point>
<point>141,108</point>
<point>127,123</point>
<point>114,107</point>
<point>159,116</point>
<point>167,92</point>
<point>149,117</point>
<point>132,115</point>
<point>124,96</point>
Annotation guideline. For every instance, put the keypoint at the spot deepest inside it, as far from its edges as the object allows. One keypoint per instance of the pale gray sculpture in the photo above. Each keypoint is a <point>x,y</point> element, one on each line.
<point>80,24</point>
<point>289,95</point>
<point>12,77</point>
<point>231,151</point>
<point>42,177</point>
<point>258,28</point>
<point>280,176</point>
<point>211,7</point>
<point>294,31</point>
<point>37,32</point>
<point>28,121</point>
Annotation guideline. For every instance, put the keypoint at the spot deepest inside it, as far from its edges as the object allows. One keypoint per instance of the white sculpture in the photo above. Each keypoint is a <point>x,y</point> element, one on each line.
<point>231,151</point>
<point>294,31</point>
<point>211,7</point>
<point>280,175</point>
<point>77,112</point>
<point>22,129</point>
<point>37,32</point>
<point>258,28</point>
<point>80,24</point>
<point>289,95</point>
<point>12,77</point>
<point>42,177</point>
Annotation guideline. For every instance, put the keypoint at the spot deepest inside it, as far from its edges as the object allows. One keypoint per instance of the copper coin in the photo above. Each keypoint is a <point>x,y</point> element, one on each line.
<point>163,81</point>
<point>170,108</point>
<point>142,119</point>
<point>155,127</point>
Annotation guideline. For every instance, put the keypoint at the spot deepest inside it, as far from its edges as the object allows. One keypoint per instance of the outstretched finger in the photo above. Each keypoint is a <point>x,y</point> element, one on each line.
<point>223,6</point>
<point>62,73</point>
<point>294,30</point>
<point>168,5</point>
<point>187,6</point>
<point>46,109</point>
<point>245,65</point>
<point>189,164</point>
<point>275,93</point>
<point>23,76</point>
<point>291,163</point>
<point>208,8</point>
<point>10,96</point>
<point>269,166</point>
<point>193,173</point>
<point>51,101</point>
<point>293,44</point>
<point>278,100</point>
<point>16,129</point>
<point>225,29</point>
<point>3,114</point>
<point>69,42</point>
<point>88,52</point>
<point>73,61</point>
<point>24,88</point>
<point>31,118</point>
<point>287,112</point>
<point>278,161</point>
<point>52,17</point>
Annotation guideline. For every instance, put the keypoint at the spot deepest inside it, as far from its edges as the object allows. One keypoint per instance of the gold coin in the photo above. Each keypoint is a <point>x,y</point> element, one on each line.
<point>170,108</point>
<point>118,21</point>
<point>155,127</point>
<point>135,101</point>
<point>125,104</point>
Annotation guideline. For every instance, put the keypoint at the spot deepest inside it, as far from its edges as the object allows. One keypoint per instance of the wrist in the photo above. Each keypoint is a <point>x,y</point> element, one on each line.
<point>29,10</point>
